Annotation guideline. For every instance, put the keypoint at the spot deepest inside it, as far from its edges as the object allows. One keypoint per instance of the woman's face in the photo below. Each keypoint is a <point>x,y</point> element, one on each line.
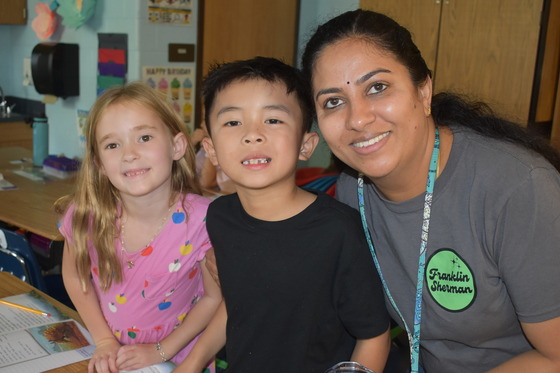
<point>369,111</point>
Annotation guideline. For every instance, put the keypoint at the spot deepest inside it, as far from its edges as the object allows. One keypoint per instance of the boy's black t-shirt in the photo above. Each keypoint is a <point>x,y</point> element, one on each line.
<point>298,292</point>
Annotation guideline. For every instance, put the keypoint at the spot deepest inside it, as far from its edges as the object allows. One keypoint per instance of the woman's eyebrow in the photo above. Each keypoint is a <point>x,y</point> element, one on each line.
<point>359,81</point>
<point>327,91</point>
<point>367,76</point>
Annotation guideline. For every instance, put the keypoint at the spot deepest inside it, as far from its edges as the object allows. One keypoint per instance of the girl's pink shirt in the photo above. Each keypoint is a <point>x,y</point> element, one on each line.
<point>165,282</point>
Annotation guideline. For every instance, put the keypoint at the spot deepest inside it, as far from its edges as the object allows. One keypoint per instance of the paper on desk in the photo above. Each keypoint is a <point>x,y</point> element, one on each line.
<point>5,184</point>
<point>34,343</point>
<point>166,367</point>
<point>22,161</point>
<point>32,174</point>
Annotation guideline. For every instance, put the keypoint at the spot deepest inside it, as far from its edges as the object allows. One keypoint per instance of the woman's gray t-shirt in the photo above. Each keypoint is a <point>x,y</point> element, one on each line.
<point>493,253</point>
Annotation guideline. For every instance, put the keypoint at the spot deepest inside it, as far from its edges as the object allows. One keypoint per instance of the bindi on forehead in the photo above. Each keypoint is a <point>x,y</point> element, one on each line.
<point>347,82</point>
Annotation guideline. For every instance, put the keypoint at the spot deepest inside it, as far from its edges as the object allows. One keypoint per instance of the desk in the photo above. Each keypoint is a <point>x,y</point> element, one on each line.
<point>11,285</point>
<point>30,206</point>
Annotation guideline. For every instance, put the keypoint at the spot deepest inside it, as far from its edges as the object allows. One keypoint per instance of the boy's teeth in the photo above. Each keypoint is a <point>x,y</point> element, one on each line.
<point>256,161</point>
<point>376,139</point>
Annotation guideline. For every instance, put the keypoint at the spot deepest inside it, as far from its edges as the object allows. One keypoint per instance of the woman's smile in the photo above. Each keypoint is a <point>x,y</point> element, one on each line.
<point>375,140</point>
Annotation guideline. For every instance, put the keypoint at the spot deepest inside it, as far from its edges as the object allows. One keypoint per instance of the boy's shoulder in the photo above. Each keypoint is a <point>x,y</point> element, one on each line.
<point>225,205</point>
<point>331,213</point>
<point>225,200</point>
<point>337,206</point>
<point>324,208</point>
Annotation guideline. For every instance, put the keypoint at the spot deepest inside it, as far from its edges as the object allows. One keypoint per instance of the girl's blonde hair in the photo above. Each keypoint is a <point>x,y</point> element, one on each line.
<point>96,200</point>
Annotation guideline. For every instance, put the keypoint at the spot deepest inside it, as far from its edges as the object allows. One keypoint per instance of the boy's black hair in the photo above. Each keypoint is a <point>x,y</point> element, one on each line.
<point>269,69</point>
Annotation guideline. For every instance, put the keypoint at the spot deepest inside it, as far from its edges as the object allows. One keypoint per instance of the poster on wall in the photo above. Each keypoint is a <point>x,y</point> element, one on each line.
<point>81,120</point>
<point>171,12</point>
<point>177,84</point>
<point>111,61</point>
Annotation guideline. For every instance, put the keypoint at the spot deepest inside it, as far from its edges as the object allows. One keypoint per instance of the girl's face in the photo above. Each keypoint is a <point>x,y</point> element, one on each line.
<point>369,111</point>
<point>136,150</point>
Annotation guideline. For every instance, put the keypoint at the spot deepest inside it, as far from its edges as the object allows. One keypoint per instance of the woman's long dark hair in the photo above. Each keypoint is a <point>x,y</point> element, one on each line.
<point>447,108</point>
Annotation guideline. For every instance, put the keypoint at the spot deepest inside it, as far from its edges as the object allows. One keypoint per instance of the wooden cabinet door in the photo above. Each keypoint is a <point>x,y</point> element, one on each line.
<point>16,134</point>
<point>244,29</point>
<point>488,50</point>
<point>13,12</point>
<point>555,135</point>
<point>420,17</point>
<point>481,48</point>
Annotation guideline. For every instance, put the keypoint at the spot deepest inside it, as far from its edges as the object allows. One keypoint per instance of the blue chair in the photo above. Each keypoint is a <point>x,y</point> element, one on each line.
<point>17,257</point>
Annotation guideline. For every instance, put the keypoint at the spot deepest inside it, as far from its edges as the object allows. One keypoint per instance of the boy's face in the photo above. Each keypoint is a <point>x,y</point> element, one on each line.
<point>256,134</point>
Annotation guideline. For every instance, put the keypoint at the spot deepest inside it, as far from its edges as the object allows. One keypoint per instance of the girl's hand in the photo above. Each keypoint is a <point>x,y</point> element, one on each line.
<point>104,357</point>
<point>136,356</point>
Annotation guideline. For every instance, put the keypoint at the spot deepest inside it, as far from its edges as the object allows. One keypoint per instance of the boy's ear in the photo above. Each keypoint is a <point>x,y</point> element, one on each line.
<point>210,151</point>
<point>308,145</point>
<point>180,143</point>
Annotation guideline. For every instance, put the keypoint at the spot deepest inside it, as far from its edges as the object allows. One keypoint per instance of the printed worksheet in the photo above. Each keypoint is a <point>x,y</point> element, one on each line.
<point>30,342</point>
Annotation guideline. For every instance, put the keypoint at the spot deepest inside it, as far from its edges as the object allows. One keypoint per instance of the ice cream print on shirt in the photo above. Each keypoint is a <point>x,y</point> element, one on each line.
<point>450,281</point>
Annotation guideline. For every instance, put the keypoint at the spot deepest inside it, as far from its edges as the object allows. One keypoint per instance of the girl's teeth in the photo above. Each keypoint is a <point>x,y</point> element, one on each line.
<point>371,141</point>
<point>134,173</point>
<point>257,161</point>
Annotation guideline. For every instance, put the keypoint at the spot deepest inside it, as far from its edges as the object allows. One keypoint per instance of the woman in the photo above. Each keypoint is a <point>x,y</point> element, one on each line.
<point>473,257</point>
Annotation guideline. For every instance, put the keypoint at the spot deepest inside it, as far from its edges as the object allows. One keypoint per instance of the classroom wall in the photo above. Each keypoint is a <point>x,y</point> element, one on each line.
<point>312,14</point>
<point>315,12</point>
<point>147,46</point>
<point>5,63</point>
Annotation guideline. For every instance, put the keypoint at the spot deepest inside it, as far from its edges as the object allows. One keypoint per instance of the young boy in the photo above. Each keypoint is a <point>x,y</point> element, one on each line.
<point>300,289</point>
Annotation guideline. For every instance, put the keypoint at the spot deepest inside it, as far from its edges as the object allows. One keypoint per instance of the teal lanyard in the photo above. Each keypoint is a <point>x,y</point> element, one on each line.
<point>413,338</point>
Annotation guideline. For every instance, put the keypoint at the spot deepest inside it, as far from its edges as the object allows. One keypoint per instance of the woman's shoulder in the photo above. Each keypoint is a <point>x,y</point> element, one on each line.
<point>498,153</point>
<point>346,187</point>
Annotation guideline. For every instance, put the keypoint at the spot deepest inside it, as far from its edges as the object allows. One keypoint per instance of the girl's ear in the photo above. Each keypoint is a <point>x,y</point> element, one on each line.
<point>308,145</point>
<point>179,146</point>
<point>210,151</point>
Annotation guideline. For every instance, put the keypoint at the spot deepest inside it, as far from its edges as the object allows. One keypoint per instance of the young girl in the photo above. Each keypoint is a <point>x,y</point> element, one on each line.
<point>136,236</point>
